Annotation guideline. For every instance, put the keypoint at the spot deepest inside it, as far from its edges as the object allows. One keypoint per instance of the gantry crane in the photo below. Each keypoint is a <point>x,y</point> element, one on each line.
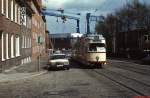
<point>62,15</point>
<point>90,18</point>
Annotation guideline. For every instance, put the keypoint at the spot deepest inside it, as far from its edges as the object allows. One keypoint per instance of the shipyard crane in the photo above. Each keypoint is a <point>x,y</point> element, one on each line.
<point>90,18</point>
<point>62,14</point>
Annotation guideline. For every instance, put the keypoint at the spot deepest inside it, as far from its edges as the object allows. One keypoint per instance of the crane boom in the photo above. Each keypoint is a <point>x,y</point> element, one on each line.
<point>59,15</point>
<point>63,16</point>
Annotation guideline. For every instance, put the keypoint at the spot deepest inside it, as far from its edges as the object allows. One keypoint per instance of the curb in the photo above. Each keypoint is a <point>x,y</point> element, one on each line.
<point>26,77</point>
<point>13,68</point>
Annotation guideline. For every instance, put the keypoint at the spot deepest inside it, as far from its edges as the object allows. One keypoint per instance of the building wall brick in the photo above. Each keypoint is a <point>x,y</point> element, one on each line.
<point>13,28</point>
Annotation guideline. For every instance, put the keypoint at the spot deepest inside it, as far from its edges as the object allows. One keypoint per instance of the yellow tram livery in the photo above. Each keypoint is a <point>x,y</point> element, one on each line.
<point>90,50</point>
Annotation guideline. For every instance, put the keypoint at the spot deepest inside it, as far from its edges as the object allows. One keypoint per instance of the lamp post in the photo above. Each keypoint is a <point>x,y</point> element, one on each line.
<point>147,50</point>
<point>147,42</point>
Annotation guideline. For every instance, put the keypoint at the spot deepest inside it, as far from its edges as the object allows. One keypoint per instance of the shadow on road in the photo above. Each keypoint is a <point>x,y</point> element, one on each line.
<point>77,65</point>
<point>73,65</point>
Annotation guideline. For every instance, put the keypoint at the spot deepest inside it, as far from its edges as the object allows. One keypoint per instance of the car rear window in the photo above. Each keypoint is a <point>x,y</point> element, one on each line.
<point>58,57</point>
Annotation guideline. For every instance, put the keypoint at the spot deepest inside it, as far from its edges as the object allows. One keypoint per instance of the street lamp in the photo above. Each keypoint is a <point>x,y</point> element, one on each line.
<point>147,50</point>
<point>147,41</point>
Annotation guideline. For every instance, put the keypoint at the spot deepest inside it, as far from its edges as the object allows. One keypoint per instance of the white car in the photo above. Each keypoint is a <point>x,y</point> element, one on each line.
<point>59,60</point>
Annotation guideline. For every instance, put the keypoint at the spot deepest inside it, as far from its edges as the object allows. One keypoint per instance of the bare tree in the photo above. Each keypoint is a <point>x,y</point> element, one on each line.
<point>134,15</point>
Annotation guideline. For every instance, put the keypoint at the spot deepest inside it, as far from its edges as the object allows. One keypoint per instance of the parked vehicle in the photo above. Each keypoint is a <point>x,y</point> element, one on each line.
<point>67,52</point>
<point>59,60</point>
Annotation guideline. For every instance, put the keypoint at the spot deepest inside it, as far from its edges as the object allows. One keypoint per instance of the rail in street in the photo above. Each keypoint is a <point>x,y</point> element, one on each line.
<point>81,82</point>
<point>139,87</point>
<point>142,69</point>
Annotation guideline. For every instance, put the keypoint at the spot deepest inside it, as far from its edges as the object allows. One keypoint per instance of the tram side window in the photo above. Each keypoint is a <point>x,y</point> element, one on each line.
<point>95,46</point>
<point>92,47</point>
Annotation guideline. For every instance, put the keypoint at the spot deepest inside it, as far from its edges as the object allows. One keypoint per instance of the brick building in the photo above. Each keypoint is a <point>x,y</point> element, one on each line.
<point>15,33</point>
<point>38,29</point>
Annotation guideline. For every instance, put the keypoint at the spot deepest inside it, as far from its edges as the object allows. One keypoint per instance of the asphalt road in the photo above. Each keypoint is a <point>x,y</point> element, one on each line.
<point>81,82</point>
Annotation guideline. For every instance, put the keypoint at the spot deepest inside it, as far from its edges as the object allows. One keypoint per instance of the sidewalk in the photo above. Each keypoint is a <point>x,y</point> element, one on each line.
<point>18,76</point>
<point>24,71</point>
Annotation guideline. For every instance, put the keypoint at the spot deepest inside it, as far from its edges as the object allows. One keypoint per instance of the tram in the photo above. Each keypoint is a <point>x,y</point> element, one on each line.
<point>90,50</point>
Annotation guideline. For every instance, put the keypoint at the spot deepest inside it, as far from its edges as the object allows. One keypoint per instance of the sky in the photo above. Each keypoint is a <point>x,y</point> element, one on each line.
<point>95,7</point>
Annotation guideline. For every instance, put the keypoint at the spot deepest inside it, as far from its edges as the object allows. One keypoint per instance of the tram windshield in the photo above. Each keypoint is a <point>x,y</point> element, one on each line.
<point>96,46</point>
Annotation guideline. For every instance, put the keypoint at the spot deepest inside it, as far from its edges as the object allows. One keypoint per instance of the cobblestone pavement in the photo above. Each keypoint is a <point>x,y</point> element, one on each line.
<point>78,82</point>
<point>24,71</point>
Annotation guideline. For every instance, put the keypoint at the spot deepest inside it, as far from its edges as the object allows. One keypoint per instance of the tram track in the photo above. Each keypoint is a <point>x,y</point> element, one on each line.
<point>133,69</point>
<point>129,78</point>
<point>134,85</point>
<point>141,69</point>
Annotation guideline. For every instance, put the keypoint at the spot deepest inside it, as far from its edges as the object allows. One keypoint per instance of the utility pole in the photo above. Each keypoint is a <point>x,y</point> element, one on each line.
<point>40,41</point>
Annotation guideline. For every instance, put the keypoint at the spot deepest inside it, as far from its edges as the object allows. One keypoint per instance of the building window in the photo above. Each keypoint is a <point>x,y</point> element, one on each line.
<point>12,10</point>
<point>9,9</point>
<point>7,57</point>
<point>16,12</point>
<point>12,46</point>
<point>30,23</point>
<point>6,8</point>
<point>17,42</point>
<point>27,43</point>
<point>30,43</point>
<point>23,41</point>
<point>2,6</point>
<point>3,59</point>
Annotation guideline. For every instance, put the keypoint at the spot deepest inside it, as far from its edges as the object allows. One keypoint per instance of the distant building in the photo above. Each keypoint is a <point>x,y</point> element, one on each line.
<point>63,40</point>
<point>48,42</point>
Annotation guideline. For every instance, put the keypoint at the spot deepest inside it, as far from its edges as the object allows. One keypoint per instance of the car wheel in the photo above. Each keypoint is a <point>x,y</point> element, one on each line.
<point>67,68</point>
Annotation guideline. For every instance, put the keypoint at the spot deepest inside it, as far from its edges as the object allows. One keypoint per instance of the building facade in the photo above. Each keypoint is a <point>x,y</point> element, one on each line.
<point>63,41</point>
<point>15,33</point>
<point>38,29</point>
<point>48,42</point>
